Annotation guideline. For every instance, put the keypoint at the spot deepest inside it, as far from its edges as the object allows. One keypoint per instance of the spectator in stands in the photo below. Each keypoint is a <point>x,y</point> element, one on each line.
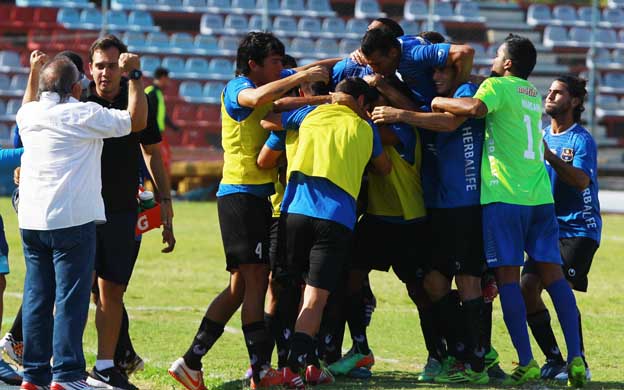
<point>63,143</point>
<point>118,248</point>
<point>157,99</point>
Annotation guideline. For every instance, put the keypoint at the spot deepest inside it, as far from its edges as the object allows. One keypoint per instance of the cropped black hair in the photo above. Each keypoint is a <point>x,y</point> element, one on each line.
<point>522,53</point>
<point>380,40</point>
<point>576,88</point>
<point>392,26</point>
<point>256,46</point>
<point>356,87</point>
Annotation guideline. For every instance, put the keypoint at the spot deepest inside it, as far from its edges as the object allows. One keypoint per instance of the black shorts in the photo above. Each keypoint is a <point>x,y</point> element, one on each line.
<point>245,221</point>
<point>117,247</point>
<point>317,250</point>
<point>457,241</point>
<point>277,248</point>
<point>380,245</point>
<point>577,254</point>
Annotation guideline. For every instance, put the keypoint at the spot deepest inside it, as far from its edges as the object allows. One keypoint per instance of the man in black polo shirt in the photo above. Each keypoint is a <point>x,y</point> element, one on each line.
<point>117,247</point>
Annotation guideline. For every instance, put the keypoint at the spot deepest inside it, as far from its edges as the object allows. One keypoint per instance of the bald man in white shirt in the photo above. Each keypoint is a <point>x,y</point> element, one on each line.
<point>60,203</point>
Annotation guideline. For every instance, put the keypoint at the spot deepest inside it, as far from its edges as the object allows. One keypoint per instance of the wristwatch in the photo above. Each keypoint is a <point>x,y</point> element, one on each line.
<point>135,74</point>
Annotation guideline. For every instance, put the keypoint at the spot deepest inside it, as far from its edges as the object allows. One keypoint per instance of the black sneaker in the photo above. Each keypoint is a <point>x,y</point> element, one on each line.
<point>552,368</point>
<point>111,379</point>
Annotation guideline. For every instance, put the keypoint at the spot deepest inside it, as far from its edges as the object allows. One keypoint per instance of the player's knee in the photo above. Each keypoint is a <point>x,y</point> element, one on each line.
<point>436,285</point>
<point>2,283</point>
<point>549,273</point>
<point>418,295</point>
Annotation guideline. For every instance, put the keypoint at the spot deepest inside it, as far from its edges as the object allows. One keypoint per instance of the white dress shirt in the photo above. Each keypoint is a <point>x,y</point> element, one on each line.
<point>60,178</point>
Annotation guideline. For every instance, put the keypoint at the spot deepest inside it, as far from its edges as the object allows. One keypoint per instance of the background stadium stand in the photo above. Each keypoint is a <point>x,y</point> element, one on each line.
<point>197,40</point>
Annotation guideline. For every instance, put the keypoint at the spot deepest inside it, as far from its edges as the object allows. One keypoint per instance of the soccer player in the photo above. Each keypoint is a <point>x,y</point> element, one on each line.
<point>390,233</point>
<point>244,208</point>
<point>570,156</point>
<point>518,210</point>
<point>334,147</point>
<point>414,58</point>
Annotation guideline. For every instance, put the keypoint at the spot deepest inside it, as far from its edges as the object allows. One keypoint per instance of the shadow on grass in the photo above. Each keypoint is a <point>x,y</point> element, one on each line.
<point>387,380</point>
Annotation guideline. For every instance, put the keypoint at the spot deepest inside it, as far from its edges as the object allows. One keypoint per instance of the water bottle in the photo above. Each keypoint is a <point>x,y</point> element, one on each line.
<point>146,199</point>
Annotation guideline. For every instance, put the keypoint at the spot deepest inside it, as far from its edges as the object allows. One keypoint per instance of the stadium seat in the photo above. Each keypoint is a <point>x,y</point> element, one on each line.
<point>199,4</point>
<point>618,55</point>
<point>326,47</point>
<point>117,20</point>
<point>356,28</point>
<point>613,83</point>
<point>319,8</point>
<point>606,36</point>
<point>555,36</point>
<point>175,65</point>
<point>607,101</point>
<point>411,27</point>
<point>285,25</point>
<point>243,6</point>
<point>18,82</point>
<point>603,57</point>
<point>13,106</point>
<point>156,41</point>
<point>235,24</point>
<point>10,61</point>
<point>368,9</point>
<point>90,19</point>
<point>149,63</point>
<point>310,26</point>
<point>211,24</point>
<point>227,45</point>
<point>169,5</point>
<point>196,67</point>
<point>205,43</point>
<point>5,134</point>
<point>580,36</point>
<point>346,46</point>
<point>334,26</point>
<point>182,113</point>
<point>191,91</point>
<point>211,112</point>
<point>134,40</point>
<point>140,19</point>
<point>443,10</point>
<point>255,23</point>
<point>468,10</point>
<point>273,6</point>
<point>5,81</point>
<point>220,69</point>
<point>212,91</point>
<point>415,10</point>
<point>2,108</point>
<point>68,17</point>
<point>300,47</point>
<point>538,14</point>
<point>296,7</point>
<point>585,15</point>
<point>613,16</point>
<point>181,43</point>
<point>221,6</point>
<point>564,14</point>
<point>122,4</point>
<point>45,17</point>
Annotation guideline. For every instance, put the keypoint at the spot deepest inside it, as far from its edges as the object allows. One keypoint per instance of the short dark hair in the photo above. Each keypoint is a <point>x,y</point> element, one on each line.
<point>73,57</point>
<point>59,76</point>
<point>161,72</point>
<point>432,36</point>
<point>289,62</point>
<point>378,40</point>
<point>105,43</point>
<point>392,26</point>
<point>356,87</point>
<point>319,88</point>
<point>522,53</point>
<point>256,46</point>
<point>576,88</point>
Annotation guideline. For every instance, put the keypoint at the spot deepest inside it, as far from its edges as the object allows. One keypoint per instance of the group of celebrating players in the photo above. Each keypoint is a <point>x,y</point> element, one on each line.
<point>393,157</point>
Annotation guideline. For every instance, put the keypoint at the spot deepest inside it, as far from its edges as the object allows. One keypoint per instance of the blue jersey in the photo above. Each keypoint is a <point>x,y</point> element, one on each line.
<point>290,121</point>
<point>348,68</point>
<point>418,58</point>
<point>452,162</point>
<point>318,197</point>
<point>407,141</point>
<point>578,212</point>
<point>239,113</point>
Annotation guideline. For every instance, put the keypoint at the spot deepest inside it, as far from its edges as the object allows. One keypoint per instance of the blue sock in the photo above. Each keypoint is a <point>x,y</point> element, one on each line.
<point>514,313</point>
<point>565,305</point>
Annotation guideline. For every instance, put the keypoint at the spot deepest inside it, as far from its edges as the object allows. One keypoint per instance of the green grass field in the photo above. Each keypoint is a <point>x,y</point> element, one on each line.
<point>169,293</point>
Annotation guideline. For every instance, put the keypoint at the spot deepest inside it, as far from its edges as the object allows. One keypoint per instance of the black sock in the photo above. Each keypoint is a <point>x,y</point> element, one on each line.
<point>271,324</point>
<point>287,310</point>
<point>302,347</point>
<point>486,328</point>
<point>368,302</point>
<point>433,341</point>
<point>16,329</point>
<point>124,351</point>
<point>446,314</point>
<point>356,319</point>
<point>257,340</point>
<point>207,334</point>
<point>329,350</point>
<point>472,314</point>
<point>539,323</point>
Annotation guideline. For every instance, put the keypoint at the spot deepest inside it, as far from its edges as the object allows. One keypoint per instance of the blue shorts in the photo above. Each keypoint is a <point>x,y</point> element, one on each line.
<point>4,251</point>
<point>510,230</point>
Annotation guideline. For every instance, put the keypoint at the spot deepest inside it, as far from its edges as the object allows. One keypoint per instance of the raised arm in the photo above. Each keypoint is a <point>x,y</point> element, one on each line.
<point>394,96</point>
<point>329,63</point>
<point>470,107</point>
<point>253,97</point>
<point>290,103</point>
<point>137,101</point>
<point>461,56</point>
<point>37,60</point>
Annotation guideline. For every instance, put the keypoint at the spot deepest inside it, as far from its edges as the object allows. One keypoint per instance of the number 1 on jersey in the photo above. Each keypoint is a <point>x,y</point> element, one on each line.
<point>529,154</point>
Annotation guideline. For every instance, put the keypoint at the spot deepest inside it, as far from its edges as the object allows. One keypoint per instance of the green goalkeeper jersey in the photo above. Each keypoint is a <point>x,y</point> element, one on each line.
<point>512,167</point>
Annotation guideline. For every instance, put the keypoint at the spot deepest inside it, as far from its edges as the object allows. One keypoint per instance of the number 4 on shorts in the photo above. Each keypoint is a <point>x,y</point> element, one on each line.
<point>258,250</point>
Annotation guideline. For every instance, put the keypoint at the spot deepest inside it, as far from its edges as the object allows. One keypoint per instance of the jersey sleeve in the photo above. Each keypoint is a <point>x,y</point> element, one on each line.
<point>287,72</point>
<point>585,156</point>
<point>291,120</point>
<point>488,94</point>
<point>404,133</point>
<point>377,146</point>
<point>230,98</point>
<point>276,141</point>
<point>338,72</point>
<point>434,55</point>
